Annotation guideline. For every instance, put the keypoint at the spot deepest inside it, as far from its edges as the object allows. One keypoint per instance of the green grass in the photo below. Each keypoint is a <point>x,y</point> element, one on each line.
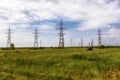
<point>60,64</point>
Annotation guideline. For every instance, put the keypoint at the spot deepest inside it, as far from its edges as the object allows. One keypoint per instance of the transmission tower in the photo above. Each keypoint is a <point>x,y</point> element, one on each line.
<point>92,43</point>
<point>81,42</point>
<point>61,34</point>
<point>99,37</point>
<point>36,35</point>
<point>71,42</point>
<point>9,37</point>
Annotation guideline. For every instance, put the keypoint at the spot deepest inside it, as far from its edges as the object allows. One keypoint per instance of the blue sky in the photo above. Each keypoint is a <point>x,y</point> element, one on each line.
<point>81,18</point>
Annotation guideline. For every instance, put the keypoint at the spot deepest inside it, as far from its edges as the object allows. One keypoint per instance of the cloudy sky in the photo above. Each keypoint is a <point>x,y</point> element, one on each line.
<point>81,18</point>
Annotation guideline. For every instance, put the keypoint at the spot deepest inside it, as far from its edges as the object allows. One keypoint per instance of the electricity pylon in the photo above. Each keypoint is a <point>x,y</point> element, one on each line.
<point>61,34</point>
<point>36,35</point>
<point>9,37</point>
<point>99,37</point>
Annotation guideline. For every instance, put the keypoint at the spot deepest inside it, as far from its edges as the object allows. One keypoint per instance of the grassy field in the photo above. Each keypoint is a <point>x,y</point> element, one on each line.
<point>60,64</point>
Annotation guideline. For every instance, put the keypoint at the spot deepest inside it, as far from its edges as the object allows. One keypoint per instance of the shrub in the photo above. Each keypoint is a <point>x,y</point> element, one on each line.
<point>12,46</point>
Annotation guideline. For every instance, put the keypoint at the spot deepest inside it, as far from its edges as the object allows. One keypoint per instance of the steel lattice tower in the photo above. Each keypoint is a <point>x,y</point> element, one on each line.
<point>92,43</point>
<point>81,42</point>
<point>36,35</point>
<point>99,37</point>
<point>9,37</point>
<point>71,42</point>
<point>61,34</point>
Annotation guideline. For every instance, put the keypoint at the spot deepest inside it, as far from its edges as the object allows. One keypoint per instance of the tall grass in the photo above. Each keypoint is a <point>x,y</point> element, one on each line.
<point>60,64</point>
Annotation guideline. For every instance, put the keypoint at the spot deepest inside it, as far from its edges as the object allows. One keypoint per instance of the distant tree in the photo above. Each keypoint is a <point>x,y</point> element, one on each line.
<point>12,46</point>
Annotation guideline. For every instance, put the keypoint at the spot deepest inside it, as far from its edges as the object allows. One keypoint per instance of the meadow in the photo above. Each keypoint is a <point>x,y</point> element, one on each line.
<point>60,64</point>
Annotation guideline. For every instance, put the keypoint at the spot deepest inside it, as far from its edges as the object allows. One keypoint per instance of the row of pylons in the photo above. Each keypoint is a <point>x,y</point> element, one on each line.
<point>61,37</point>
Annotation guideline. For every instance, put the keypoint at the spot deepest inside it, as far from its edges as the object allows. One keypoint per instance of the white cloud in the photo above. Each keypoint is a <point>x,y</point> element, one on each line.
<point>93,13</point>
<point>102,16</point>
<point>111,37</point>
<point>113,32</point>
<point>46,27</point>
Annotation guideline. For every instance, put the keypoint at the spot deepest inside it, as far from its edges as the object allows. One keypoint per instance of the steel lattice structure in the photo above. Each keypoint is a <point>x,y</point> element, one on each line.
<point>9,37</point>
<point>99,37</point>
<point>61,34</point>
<point>36,35</point>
